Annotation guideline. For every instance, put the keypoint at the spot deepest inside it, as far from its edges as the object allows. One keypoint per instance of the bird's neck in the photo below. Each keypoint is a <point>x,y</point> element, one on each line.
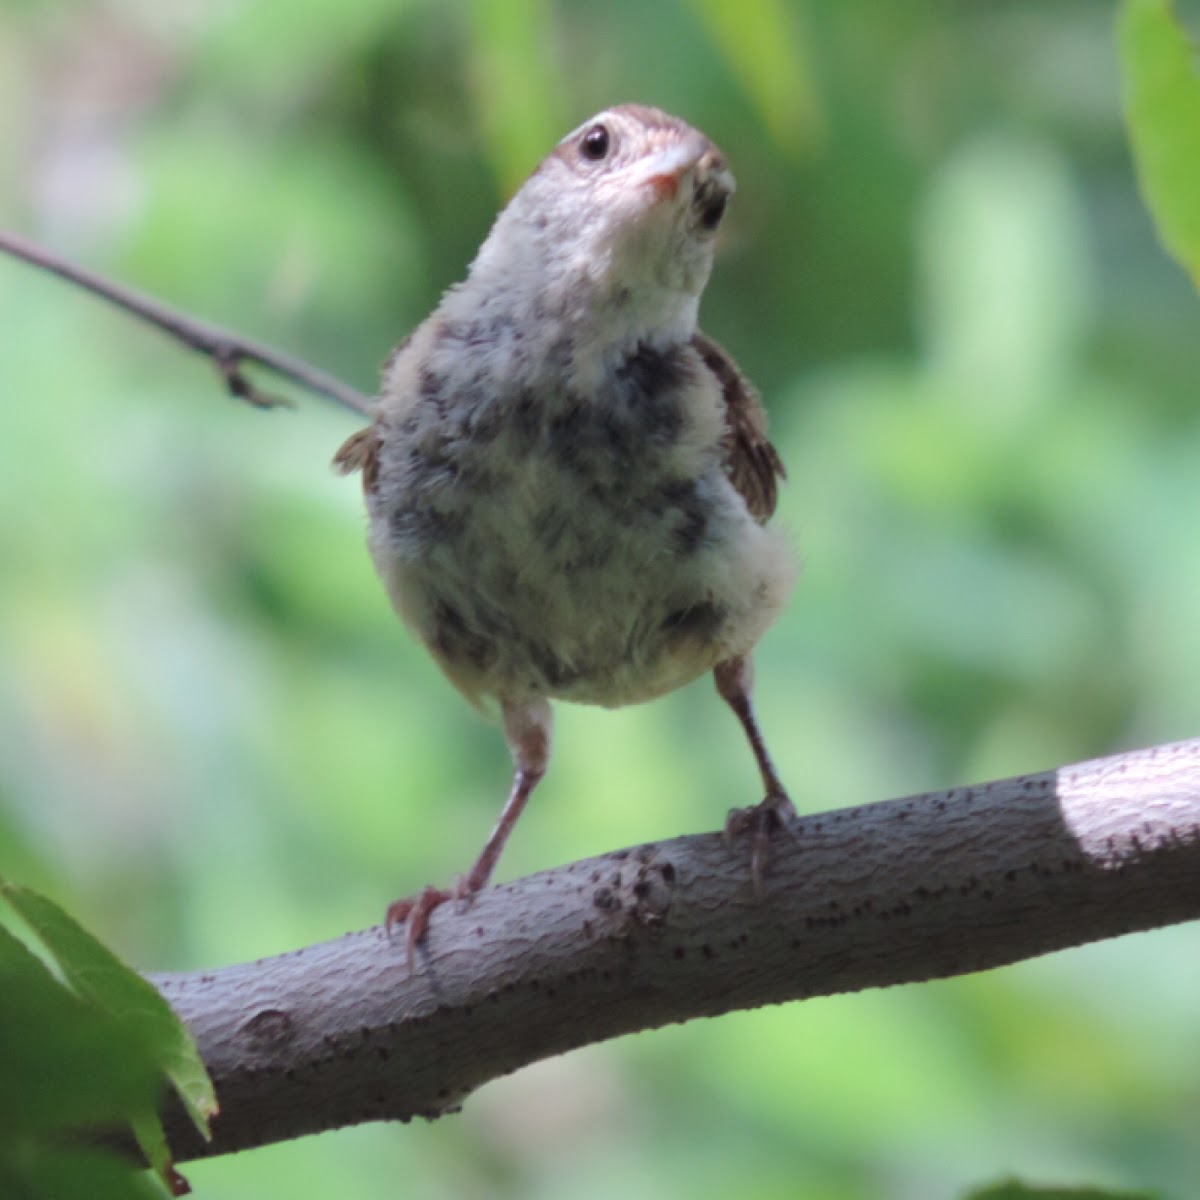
<point>590,308</point>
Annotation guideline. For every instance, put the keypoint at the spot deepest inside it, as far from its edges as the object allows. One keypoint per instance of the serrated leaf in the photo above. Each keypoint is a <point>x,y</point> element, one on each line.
<point>135,1007</point>
<point>1162,108</point>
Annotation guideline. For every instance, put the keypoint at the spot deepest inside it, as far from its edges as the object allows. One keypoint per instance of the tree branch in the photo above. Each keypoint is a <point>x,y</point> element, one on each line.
<point>227,350</point>
<point>917,888</point>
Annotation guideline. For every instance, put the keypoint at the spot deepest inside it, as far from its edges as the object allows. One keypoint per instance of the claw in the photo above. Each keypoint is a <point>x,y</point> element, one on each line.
<point>527,727</point>
<point>413,913</point>
<point>761,821</point>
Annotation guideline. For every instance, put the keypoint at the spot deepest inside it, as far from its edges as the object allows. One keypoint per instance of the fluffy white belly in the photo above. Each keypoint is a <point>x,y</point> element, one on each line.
<point>593,553</point>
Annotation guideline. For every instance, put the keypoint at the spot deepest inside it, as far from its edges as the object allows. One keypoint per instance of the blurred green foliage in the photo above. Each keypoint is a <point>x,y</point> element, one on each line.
<point>215,739</point>
<point>1018,1191</point>
<point>1163,101</point>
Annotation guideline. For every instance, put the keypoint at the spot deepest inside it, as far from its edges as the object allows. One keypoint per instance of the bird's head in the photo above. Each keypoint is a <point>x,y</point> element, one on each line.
<point>623,212</point>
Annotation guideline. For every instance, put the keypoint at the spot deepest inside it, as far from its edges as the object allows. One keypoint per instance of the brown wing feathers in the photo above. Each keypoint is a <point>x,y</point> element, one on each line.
<point>360,452</point>
<point>754,465</point>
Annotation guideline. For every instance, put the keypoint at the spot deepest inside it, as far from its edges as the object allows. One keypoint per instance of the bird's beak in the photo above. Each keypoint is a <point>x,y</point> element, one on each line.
<point>695,157</point>
<point>714,186</point>
<point>664,170</point>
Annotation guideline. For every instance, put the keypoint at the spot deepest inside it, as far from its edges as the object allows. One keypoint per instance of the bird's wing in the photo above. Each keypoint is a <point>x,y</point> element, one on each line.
<point>360,452</point>
<point>753,464</point>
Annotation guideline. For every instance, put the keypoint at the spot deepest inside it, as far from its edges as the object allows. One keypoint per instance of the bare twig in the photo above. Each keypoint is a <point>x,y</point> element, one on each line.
<point>911,889</point>
<point>227,350</point>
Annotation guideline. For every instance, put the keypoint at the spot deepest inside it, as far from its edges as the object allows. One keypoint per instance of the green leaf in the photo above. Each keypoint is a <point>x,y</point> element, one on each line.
<point>40,1173</point>
<point>66,1063</point>
<point>99,978</point>
<point>85,1041</point>
<point>1162,107</point>
<point>151,1137</point>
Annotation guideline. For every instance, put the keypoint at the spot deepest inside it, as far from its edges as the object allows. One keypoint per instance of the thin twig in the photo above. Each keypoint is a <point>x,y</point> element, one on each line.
<point>227,350</point>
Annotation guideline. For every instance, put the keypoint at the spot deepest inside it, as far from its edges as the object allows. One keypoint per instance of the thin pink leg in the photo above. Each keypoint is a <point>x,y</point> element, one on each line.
<point>735,683</point>
<point>527,727</point>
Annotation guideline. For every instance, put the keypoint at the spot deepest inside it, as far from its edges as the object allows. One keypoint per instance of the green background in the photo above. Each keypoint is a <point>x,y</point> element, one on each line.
<point>216,742</point>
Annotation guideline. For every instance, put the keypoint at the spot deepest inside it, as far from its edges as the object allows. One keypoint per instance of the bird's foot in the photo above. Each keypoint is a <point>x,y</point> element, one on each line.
<point>760,821</point>
<point>413,913</point>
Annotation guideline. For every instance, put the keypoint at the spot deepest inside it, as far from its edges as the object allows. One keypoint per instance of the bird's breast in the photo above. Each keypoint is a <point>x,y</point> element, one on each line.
<point>547,540</point>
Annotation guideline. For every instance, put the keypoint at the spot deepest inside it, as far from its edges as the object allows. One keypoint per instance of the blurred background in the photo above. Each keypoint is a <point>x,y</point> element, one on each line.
<point>216,741</point>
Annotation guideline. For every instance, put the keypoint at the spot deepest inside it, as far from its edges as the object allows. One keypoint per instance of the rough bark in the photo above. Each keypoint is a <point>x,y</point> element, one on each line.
<point>909,889</point>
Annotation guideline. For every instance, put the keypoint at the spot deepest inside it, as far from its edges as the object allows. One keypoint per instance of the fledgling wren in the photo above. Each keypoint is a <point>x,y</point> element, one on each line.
<point>567,482</point>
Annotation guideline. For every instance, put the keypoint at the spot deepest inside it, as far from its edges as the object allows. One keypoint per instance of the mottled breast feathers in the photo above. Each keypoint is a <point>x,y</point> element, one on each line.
<point>752,462</point>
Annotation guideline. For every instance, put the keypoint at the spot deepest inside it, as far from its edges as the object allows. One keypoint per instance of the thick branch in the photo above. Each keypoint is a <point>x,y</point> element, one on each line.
<point>226,349</point>
<point>911,889</point>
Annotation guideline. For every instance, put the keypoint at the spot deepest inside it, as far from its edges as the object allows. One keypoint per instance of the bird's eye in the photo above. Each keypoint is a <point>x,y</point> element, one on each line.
<point>594,143</point>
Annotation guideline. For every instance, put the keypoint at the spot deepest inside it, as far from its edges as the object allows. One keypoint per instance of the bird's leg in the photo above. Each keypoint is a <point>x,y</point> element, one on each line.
<point>527,727</point>
<point>735,683</point>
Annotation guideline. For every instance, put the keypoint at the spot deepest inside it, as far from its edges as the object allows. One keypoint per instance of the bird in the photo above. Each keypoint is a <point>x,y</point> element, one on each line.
<point>567,483</point>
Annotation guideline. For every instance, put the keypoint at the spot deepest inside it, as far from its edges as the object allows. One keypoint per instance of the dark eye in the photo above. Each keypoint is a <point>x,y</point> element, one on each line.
<point>594,143</point>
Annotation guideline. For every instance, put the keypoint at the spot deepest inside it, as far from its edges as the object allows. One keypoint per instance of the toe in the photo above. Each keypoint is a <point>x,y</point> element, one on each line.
<point>760,822</point>
<point>413,913</point>
<point>397,914</point>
